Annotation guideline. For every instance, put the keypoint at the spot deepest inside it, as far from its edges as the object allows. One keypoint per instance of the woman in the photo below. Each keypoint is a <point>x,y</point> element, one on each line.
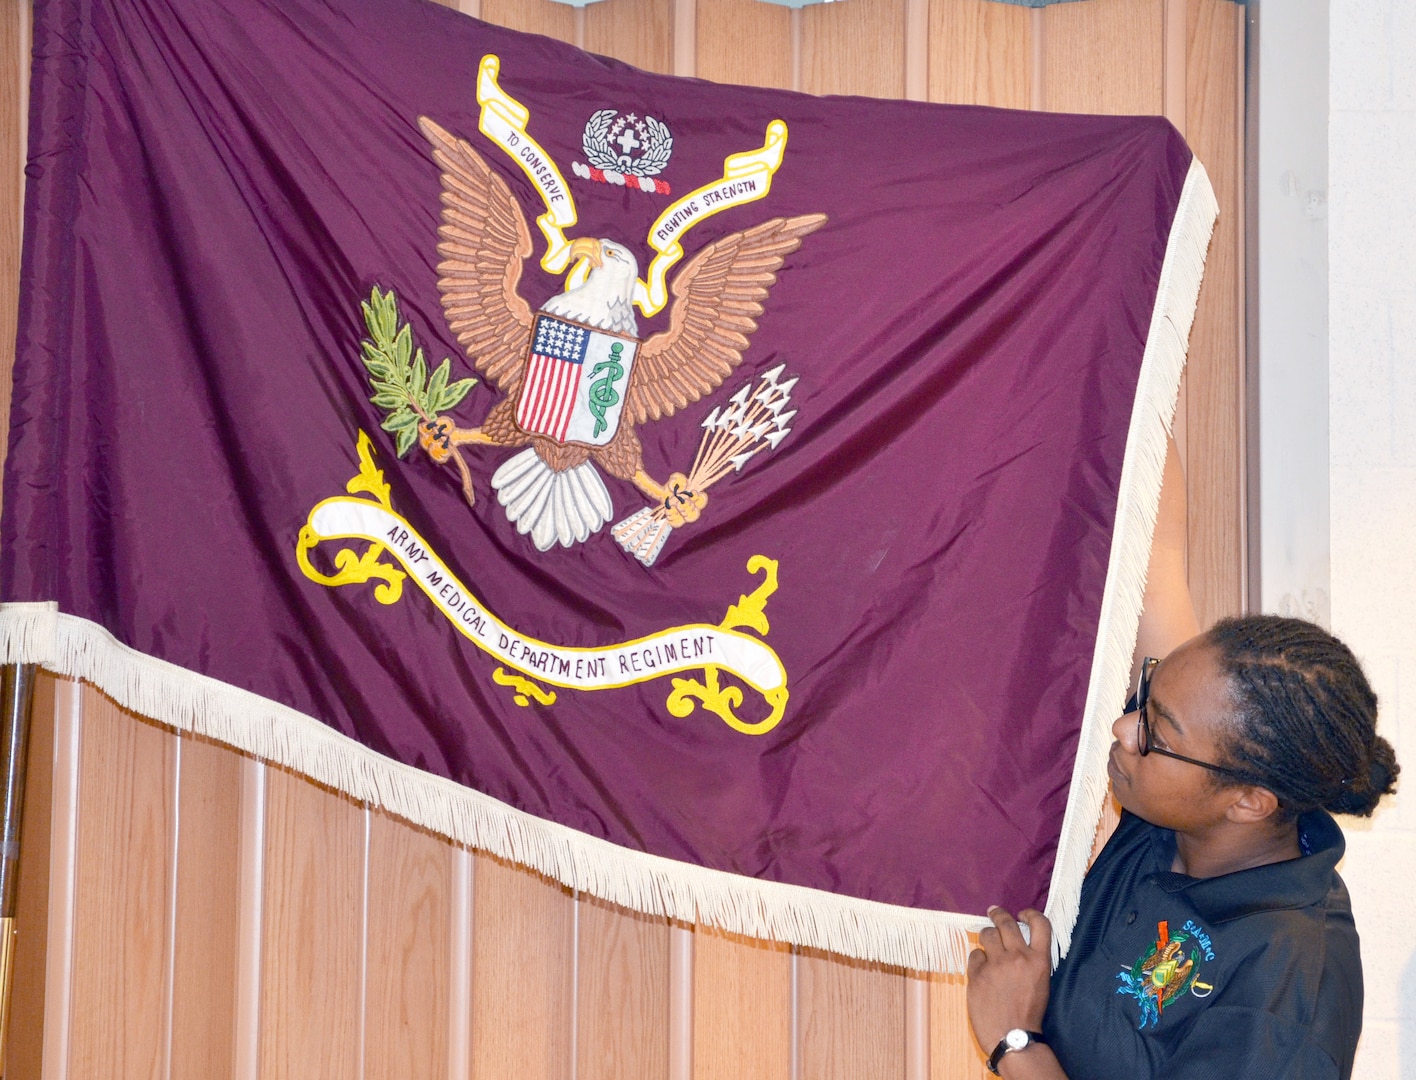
<point>1215,938</point>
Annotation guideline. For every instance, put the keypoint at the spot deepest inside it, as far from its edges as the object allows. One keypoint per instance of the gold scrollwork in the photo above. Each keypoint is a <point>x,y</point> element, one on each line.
<point>749,611</point>
<point>354,569</point>
<point>525,688</point>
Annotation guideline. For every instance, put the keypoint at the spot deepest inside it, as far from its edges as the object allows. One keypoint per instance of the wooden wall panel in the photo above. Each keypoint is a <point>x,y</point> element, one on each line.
<point>207,911</point>
<point>522,987</point>
<point>26,1047</point>
<point>407,975</point>
<point>953,1054</point>
<point>742,1008</point>
<point>1104,56</point>
<point>744,41</point>
<point>531,16</point>
<point>313,926</point>
<point>639,32</point>
<point>121,905</point>
<point>854,48</point>
<point>980,53</point>
<point>622,994</point>
<point>851,1020</point>
<point>1214,396</point>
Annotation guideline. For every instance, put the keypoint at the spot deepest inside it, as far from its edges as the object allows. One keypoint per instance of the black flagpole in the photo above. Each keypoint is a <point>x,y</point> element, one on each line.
<point>16,695</point>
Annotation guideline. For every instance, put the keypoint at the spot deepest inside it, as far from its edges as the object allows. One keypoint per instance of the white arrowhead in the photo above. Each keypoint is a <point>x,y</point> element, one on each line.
<point>774,407</point>
<point>778,436</point>
<point>740,398</point>
<point>785,418</point>
<point>786,387</point>
<point>741,459</point>
<point>711,419</point>
<point>771,376</point>
<point>760,429</point>
<point>741,431</point>
<point>729,417</point>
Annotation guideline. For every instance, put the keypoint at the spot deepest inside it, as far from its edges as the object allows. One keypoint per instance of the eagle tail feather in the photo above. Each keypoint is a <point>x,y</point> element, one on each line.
<point>564,507</point>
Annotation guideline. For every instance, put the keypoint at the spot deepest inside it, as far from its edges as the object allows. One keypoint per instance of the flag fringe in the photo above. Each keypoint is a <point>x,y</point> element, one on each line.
<point>1137,506</point>
<point>918,940</point>
<point>866,930</point>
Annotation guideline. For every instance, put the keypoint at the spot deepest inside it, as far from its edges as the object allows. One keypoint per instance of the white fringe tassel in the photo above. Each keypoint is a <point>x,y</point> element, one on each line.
<point>37,633</point>
<point>906,937</point>
<point>1137,506</point>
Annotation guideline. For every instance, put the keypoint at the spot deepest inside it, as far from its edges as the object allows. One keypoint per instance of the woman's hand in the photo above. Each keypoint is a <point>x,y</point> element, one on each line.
<point>1008,977</point>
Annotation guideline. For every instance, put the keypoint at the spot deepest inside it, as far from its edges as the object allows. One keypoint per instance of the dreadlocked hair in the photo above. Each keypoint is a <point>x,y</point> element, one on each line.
<point>1305,716</point>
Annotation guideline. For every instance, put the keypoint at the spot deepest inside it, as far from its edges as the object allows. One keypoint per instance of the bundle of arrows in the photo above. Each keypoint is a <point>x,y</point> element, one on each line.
<point>752,422</point>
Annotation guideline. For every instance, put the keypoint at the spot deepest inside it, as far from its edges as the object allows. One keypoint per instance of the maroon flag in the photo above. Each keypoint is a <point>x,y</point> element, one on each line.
<point>731,503</point>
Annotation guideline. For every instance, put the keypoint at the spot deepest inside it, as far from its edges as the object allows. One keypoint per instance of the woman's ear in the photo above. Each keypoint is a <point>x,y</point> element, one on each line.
<point>1252,804</point>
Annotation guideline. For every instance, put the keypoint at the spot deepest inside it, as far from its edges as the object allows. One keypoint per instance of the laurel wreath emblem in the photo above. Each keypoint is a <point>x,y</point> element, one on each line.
<point>654,137</point>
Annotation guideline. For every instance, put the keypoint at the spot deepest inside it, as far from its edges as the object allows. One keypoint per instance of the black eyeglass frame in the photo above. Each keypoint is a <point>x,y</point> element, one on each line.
<point>1144,745</point>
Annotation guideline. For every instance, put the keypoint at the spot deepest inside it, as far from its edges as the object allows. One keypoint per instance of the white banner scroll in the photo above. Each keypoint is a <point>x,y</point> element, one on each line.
<point>677,649</point>
<point>503,120</point>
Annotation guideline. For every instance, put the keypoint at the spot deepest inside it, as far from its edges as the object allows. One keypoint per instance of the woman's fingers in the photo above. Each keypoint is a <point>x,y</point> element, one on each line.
<point>1039,930</point>
<point>1008,933</point>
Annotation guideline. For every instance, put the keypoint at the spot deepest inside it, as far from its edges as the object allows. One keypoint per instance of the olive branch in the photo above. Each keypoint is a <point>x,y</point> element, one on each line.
<point>398,373</point>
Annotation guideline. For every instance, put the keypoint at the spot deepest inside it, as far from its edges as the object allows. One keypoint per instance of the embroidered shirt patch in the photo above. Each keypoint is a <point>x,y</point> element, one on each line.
<point>1167,971</point>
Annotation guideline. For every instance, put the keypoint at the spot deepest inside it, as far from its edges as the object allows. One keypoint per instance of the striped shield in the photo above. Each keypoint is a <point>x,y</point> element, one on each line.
<point>574,383</point>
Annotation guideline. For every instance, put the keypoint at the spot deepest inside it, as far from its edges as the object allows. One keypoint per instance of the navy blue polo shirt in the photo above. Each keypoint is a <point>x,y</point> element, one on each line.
<point>1252,974</point>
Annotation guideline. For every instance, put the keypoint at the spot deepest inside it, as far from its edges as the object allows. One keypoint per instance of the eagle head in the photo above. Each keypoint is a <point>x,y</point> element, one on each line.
<point>604,298</point>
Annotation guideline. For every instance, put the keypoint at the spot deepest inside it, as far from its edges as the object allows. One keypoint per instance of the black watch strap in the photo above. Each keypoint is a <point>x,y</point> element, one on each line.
<point>1003,1048</point>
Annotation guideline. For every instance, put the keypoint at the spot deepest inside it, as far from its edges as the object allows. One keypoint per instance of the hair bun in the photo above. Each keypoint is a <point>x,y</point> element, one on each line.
<point>1360,795</point>
<point>1383,769</point>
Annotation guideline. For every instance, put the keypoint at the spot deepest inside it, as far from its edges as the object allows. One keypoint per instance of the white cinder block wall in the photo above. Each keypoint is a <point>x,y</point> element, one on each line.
<point>1372,461</point>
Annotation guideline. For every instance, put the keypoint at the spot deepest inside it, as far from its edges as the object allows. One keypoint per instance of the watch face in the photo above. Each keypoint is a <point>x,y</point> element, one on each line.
<point>1017,1039</point>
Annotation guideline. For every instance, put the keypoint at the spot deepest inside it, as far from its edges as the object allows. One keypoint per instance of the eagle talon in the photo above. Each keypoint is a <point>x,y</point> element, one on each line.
<point>435,436</point>
<point>681,505</point>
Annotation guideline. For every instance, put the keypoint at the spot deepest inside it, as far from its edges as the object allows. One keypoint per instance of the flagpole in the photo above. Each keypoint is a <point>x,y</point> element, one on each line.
<point>16,696</point>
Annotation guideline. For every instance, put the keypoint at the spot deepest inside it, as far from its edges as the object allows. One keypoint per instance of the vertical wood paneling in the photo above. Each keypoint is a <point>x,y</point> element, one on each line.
<point>1104,56</point>
<point>980,53</point>
<point>123,884</point>
<point>1214,464</point>
<point>532,16</point>
<point>742,1008</point>
<point>63,872</point>
<point>251,844</point>
<point>410,898</point>
<point>1175,71</point>
<point>639,32</point>
<point>208,911</point>
<point>522,990</point>
<point>26,1046</point>
<point>852,1020</point>
<point>744,41</point>
<point>459,995</point>
<point>622,995</point>
<point>953,1054</point>
<point>313,924</point>
<point>855,48</point>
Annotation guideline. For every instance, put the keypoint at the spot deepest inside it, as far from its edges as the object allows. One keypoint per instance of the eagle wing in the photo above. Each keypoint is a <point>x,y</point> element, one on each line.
<point>484,242</point>
<point>718,297</point>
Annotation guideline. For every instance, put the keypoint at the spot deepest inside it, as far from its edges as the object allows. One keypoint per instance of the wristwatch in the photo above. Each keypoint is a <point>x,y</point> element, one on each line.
<point>1017,1039</point>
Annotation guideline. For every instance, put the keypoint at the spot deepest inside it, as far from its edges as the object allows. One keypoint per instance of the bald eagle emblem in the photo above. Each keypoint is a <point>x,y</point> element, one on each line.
<point>577,379</point>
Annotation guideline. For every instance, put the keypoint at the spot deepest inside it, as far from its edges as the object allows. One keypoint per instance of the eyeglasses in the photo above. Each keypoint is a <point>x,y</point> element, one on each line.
<point>1144,742</point>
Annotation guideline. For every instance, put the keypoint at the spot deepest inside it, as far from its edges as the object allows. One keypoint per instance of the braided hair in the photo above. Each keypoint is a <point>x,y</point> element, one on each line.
<point>1305,716</point>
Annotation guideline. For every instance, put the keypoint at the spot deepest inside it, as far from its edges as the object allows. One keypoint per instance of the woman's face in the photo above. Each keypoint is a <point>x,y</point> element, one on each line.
<point>1188,709</point>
